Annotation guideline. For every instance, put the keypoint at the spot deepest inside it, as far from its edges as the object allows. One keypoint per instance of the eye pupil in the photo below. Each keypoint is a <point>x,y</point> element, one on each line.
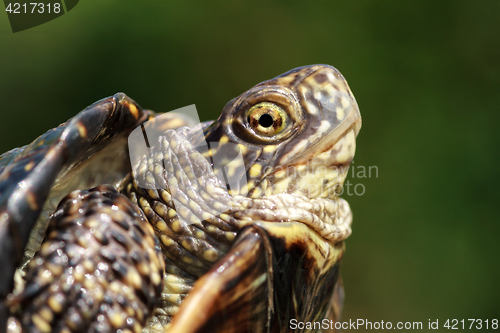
<point>266,120</point>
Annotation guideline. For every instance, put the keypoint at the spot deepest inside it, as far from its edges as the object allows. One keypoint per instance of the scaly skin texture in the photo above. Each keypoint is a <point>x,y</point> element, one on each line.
<point>250,225</point>
<point>101,260</point>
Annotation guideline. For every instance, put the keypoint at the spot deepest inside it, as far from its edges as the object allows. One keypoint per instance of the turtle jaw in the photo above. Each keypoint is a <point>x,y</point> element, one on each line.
<point>317,181</point>
<point>319,176</point>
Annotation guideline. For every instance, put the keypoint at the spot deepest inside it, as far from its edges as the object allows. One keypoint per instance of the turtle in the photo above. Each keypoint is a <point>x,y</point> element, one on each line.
<point>124,220</point>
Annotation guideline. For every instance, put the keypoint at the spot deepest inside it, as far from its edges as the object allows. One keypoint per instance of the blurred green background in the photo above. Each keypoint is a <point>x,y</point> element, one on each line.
<point>426,75</point>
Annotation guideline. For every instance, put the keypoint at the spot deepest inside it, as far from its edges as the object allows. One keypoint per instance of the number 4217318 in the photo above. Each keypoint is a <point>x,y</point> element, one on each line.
<point>33,8</point>
<point>455,324</point>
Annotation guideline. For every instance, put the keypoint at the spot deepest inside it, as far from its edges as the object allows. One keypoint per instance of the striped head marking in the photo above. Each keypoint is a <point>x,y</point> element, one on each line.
<point>296,134</point>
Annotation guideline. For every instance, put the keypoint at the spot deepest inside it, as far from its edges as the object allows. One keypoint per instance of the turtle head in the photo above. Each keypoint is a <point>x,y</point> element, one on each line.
<point>294,133</point>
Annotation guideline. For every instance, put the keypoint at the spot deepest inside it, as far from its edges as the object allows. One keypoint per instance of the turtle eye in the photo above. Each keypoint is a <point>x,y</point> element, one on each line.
<point>267,118</point>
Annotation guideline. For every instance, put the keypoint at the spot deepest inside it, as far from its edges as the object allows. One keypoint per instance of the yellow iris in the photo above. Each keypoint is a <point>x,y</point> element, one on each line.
<point>267,118</point>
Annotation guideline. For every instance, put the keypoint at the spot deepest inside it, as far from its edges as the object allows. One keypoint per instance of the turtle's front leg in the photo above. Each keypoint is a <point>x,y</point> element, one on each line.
<point>99,269</point>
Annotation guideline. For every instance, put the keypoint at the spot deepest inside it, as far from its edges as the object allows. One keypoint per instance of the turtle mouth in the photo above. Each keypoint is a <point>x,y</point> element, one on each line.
<point>319,173</point>
<point>350,126</point>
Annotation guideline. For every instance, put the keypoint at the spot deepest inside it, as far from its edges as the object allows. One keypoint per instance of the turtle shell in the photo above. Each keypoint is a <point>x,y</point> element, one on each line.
<point>87,150</point>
